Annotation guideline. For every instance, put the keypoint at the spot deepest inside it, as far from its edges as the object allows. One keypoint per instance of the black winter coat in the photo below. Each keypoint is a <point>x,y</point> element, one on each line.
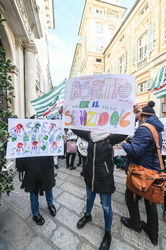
<point>39,173</point>
<point>99,167</point>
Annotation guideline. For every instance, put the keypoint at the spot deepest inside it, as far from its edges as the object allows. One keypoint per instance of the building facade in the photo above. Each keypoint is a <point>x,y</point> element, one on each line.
<point>137,48</point>
<point>24,37</point>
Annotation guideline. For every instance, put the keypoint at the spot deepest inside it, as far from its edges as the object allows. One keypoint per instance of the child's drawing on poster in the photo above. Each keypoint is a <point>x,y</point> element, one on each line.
<point>100,102</point>
<point>34,137</point>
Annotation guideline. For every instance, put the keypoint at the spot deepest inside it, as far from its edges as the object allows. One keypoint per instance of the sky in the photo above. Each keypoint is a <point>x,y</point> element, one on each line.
<point>63,39</point>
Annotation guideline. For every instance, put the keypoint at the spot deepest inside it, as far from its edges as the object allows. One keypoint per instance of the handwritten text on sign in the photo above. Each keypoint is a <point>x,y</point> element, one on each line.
<point>100,102</point>
<point>34,137</point>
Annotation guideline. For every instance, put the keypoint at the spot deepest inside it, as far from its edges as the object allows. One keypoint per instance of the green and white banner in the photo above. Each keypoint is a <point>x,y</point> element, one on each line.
<point>47,105</point>
<point>158,87</point>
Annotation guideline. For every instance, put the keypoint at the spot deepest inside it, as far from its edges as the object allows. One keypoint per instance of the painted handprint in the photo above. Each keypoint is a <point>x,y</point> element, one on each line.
<point>34,146</point>
<point>17,128</point>
<point>54,147</point>
<point>52,127</point>
<point>19,148</point>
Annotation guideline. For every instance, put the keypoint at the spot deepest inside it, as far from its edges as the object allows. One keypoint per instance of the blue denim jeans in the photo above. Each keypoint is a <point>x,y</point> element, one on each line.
<point>34,199</point>
<point>105,200</point>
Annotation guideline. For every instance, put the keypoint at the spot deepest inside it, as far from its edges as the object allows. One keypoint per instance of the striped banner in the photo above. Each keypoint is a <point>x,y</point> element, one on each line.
<point>158,87</point>
<point>48,104</point>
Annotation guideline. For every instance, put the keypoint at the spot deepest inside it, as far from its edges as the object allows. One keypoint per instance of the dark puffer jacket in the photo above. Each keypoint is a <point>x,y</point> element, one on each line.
<point>142,150</point>
<point>99,167</point>
<point>39,173</point>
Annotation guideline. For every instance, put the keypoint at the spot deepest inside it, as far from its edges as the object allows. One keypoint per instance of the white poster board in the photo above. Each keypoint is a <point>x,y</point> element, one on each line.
<point>163,151</point>
<point>34,137</point>
<point>100,102</point>
<point>118,150</point>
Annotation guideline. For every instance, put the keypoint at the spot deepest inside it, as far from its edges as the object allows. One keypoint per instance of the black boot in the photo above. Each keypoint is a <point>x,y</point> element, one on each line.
<point>86,218</point>
<point>127,223</point>
<point>153,239</point>
<point>106,242</point>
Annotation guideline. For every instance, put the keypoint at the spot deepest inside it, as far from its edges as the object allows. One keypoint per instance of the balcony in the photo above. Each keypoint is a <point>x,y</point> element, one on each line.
<point>142,62</point>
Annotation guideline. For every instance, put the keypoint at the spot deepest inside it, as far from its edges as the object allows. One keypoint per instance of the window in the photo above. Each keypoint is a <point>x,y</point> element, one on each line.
<point>143,86</point>
<point>99,27</point>
<point>122,64</point>
<point>111,15</point>
<point>134,52</point>
<point>109,71</point>
<point>143,46</point>
<point>98,60</point>
<point>85,45</point>
<point>143,42</point>
<point>144,10</point>
<point>98,42</point>
<point>98,11</point>
<point>122,37</point>
<point>111,31</point>
<point>165,23</point>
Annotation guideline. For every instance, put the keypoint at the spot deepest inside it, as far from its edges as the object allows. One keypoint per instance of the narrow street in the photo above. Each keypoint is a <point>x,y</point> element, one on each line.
<point>19,232</point>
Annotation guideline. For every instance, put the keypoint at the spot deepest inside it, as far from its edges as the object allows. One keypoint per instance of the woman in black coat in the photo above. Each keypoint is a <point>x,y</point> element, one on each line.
<point>39,177</point>
<point>98,175</point>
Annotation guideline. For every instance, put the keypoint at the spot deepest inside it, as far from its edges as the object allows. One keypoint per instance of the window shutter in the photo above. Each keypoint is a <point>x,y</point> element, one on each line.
<point>150,37</point>
<point>125,61</point>
<point>148,84</point>
<point>134,52</point>
<point>165,23</point>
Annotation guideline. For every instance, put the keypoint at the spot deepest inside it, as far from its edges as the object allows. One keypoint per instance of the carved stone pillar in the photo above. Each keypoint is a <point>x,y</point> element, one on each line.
<point>30,85</point>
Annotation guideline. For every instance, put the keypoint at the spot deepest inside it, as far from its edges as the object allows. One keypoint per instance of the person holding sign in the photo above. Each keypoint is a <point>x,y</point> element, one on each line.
<point>38,178</point>
<point>98,175</point>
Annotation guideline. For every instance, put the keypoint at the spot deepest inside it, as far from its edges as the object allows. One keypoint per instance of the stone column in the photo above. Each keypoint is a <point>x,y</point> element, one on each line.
<point>30,71</point>
<point>19,81</point>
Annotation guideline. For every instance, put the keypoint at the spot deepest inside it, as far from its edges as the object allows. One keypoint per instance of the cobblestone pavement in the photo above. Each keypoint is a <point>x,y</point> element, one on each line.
<point>19,232</point>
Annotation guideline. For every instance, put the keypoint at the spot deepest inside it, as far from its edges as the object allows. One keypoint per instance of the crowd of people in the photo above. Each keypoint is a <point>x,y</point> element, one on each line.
<point>96,156</point>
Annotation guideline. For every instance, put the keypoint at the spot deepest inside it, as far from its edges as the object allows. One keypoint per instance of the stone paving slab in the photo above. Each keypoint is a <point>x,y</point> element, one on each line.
<point>19,232</point>
<point>14,231</point>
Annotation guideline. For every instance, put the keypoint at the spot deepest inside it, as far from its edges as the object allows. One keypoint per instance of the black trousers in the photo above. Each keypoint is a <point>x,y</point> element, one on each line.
<point>151,212</point>
<point>68,161</point>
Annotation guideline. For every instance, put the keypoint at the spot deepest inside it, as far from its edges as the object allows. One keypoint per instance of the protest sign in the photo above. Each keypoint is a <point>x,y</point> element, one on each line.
<point>118,150</point>
<point>34,137</point>
<point>100,102</point>
<point>163,151</point>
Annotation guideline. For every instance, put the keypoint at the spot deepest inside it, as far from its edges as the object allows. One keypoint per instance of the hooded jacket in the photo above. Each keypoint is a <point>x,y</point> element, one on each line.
<point>99,167</point>
<point>142,149</point>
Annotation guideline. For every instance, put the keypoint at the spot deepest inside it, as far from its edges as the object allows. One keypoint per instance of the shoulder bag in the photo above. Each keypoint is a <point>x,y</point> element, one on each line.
<point>148,183</point>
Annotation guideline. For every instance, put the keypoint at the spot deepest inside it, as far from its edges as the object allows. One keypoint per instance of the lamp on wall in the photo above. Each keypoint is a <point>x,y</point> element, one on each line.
<point>163,108</point>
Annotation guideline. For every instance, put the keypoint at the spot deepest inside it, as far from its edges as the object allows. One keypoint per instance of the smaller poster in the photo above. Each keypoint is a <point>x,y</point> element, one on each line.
<point>118,150</point>
<point>34,137</point>
<point>163,151</point>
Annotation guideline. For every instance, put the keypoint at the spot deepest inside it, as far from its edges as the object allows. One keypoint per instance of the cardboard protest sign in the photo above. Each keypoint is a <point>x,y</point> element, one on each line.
<point>100,102</point>
<point>34,137</point>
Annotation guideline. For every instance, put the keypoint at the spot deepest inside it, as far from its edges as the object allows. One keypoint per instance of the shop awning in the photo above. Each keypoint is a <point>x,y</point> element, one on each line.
<point>158,87</point>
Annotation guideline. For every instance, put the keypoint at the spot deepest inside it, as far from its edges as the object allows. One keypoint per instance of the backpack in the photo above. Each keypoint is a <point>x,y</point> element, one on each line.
<point>20,167</point>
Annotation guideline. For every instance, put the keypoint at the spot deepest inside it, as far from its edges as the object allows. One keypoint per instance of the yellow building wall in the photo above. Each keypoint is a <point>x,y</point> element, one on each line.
<point>135,26</point>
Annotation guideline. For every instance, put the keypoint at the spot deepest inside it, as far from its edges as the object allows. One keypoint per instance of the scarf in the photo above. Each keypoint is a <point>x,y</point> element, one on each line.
<point>98,135</point>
